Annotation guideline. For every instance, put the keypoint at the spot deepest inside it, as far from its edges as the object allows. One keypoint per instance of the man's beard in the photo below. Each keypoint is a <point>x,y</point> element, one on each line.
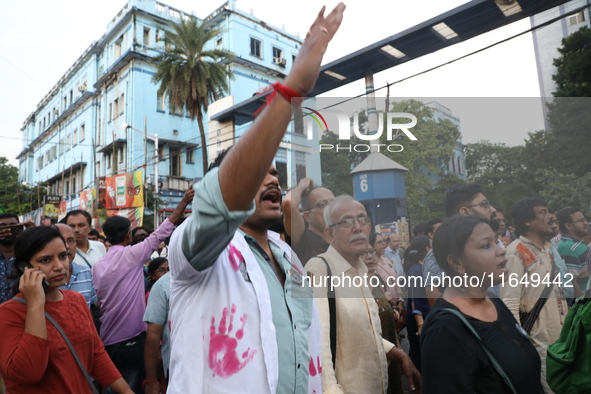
<point>7,242</point>
<point>548,234</point>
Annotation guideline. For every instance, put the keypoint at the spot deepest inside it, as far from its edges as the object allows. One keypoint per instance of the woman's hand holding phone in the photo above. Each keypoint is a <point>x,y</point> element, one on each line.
<point>31,286</point>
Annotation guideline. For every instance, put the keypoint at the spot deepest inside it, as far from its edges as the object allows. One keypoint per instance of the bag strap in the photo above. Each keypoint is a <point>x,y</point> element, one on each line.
<point>533,315</point>
<point>491,358</point>
<point>332,309</point>
<point>83,258</point>
<point>61,331</point>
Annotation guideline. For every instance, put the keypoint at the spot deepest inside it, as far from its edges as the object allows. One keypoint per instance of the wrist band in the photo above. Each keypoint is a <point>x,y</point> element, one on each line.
<point>286,92</point>
<point>148,381</point>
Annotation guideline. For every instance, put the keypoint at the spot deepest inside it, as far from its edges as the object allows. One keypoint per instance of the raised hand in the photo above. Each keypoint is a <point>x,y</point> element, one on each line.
<point>188,197</point>
<point>306,67</point>
<point>223,355</point>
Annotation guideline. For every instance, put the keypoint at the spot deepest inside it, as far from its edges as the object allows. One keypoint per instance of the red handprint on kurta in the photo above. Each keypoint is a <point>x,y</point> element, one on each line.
<point>223,355</point>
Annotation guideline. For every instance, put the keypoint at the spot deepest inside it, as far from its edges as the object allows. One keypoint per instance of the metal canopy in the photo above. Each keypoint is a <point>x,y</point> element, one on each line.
<point>467,21</point>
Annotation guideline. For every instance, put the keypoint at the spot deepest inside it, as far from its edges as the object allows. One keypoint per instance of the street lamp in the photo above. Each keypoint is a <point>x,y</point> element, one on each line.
<point>156,157</point>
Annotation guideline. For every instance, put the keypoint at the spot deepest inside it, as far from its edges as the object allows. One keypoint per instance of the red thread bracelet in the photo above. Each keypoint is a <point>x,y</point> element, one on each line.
<point>289,94</point>
<point>148,381</point>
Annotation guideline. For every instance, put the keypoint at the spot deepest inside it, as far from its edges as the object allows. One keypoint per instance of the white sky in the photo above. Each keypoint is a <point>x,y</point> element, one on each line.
<point>40,40</point>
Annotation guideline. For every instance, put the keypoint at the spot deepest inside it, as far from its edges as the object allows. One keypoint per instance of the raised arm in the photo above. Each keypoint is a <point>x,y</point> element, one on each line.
<point>177,215</point>
<point>292,219</point>
<point>240,176</point>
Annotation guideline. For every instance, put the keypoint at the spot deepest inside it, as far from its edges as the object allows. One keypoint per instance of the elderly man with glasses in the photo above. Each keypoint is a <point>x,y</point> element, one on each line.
<point>79,276</point>
<point>358,349</point>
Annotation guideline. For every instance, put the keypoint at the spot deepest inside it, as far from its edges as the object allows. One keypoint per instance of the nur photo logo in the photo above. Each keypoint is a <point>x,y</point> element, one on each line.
<point>339,122</point>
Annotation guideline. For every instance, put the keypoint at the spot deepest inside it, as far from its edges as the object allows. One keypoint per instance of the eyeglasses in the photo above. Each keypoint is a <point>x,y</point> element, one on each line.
<point>348,223</point>
<point>485,204</point>
<point>163,270</point>
<point>371,252</point>
<point>320,204</point>
<point>583,220</point>
<point>383,241</point>
<point>70,241</point>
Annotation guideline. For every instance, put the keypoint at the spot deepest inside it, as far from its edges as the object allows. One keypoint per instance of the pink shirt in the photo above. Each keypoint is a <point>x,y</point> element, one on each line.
<point>385,270</point>
<point>119,283</point>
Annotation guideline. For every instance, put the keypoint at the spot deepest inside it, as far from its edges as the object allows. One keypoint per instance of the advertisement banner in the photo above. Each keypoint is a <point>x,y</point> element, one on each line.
<point>124,191</point>
<point>87,198</point>
<point>52,206</point>
<point>35,216</point>
<point>63,208</point>
<point>135,215</point>
<point>102,193</point>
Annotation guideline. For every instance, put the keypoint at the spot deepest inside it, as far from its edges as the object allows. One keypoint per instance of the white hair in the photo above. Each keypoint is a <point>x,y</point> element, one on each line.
<point>327,215</point>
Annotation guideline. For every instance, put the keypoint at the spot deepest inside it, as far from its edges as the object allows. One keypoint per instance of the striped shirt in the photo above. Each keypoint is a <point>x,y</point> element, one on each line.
<point>81,282</point>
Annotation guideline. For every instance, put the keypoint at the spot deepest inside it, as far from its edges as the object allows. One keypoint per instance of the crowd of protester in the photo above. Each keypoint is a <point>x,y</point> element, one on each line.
<point>219,303</point>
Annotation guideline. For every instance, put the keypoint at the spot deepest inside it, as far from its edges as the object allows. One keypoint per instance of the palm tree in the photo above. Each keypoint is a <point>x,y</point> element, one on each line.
<point>189,75</point>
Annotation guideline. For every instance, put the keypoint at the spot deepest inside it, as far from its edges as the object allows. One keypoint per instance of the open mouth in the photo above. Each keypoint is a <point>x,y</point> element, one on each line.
<point>503,266</point>
<point>272,198</point>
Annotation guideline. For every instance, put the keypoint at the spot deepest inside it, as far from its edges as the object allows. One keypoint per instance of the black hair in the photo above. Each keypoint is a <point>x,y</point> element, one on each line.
<point>372,238</point>
<point>31,242</point>
<point>418,229</point>
<point>115,229</point>
<point>459,195</point>
<point>451,238</point>
<point>218,160</point>
<point>9,215</point>
<point>416,251</point>
<point>154,264</point>
<point>152,267</point>
<point>564,216</point>
<point>430,225</point>
<point>523,211</point>
<point>94,232</point>
<point>79,212</point>
<point>138,228</point>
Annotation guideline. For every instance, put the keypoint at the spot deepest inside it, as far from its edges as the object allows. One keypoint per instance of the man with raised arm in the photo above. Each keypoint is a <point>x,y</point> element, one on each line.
<point>306,241</point>
<point>239,321</point>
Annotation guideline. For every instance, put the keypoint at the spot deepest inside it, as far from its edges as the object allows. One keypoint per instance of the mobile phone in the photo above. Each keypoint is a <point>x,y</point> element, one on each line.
<point>21,267</point>
<point>15,230</point>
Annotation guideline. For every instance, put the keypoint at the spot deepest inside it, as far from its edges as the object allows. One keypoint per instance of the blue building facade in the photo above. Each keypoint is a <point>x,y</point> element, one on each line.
<point>94,120</point>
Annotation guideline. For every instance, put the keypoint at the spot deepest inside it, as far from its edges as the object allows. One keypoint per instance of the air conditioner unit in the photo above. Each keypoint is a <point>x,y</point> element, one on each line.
<point>82,88</point>
<point>280,61</point>
<point>56,111</point>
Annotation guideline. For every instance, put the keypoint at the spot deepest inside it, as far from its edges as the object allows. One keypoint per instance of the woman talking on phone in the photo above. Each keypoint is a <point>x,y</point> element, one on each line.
<point>35,355</point>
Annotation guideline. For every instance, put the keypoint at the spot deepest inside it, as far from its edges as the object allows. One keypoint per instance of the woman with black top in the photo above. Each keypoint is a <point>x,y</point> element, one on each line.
<point>453,360</point>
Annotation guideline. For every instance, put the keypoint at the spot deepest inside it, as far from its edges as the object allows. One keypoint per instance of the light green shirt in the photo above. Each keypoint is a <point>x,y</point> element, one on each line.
<point>209,230</point>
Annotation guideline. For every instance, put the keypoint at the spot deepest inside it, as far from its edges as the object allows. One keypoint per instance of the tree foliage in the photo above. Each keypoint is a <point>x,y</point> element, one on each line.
<point>15,197</point>
<point>553,164</point>
<point>573,67</point>
<point>500,169</point>
<point>431,153</point>
<point>190,75</point>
